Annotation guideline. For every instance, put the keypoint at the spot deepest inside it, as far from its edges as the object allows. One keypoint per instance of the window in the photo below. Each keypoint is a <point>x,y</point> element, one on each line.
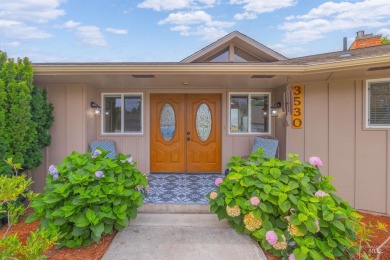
<point>233,53</point>
<point>122,113</point>
<point>249,113</point>
<point>378,103</point>
<point>222,56</point>
<point>242,56</point>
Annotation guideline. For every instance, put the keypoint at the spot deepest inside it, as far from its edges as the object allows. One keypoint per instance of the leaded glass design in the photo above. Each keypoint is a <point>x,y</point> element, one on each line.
<point>203,122</point>
<point>167,122</point>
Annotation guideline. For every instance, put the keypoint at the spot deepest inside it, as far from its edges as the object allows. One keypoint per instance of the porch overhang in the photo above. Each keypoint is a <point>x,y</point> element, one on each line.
<point>207,68</point>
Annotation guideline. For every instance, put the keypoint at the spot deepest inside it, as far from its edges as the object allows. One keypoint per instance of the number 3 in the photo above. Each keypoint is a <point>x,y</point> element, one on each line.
<point>297,90</point>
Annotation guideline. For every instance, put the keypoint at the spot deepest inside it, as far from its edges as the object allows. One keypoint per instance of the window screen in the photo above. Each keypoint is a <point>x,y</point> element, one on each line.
<point>379,104</point>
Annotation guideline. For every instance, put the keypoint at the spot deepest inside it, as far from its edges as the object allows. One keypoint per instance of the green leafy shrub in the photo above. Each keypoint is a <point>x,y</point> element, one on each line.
<point>89,195</point>
<point>13,190</point>
<point>288,206</point>
<point>36,244</point>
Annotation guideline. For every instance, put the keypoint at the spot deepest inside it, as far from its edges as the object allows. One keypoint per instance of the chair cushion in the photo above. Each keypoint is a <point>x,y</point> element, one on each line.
<point>269,146</point>
<point>105,145</point>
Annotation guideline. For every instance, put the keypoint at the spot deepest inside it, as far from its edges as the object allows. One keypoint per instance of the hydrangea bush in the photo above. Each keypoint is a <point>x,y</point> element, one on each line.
<point>288,206</point>
<point>89,195</point>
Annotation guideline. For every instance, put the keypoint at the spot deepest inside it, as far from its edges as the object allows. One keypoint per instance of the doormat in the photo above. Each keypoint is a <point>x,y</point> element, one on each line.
<point>180,188</point>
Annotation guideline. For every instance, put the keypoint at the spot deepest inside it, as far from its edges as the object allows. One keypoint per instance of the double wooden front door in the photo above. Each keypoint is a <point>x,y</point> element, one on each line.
<point>185,133</point>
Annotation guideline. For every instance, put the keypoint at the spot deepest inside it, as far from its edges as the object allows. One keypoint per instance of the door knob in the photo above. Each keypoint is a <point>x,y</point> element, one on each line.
<point>188,133</point>
<point>188,139</point>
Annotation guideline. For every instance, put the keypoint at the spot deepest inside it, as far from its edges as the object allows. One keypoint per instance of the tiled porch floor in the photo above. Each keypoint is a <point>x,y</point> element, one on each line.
<point>180,188</point>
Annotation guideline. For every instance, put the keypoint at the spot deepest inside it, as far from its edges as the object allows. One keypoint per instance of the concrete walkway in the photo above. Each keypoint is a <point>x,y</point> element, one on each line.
<point>181,237</point>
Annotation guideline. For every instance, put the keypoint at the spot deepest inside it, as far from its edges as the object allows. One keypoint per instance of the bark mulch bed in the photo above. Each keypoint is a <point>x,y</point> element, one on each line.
<point>96,251</point>
<point>93,252</point>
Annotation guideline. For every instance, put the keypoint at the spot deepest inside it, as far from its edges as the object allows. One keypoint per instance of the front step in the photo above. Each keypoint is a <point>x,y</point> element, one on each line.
<point>181,236</point>
<point>154,208</point>
<point>179,220</point>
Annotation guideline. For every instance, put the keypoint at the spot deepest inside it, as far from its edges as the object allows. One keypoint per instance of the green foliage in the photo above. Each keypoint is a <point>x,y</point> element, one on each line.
<point>296,202</point>
<point>82,205</point>
<point>42,116</point>
<point>25,115</point>
<point>37,243</point>
<point>12,189</point>
<point>385,40</point>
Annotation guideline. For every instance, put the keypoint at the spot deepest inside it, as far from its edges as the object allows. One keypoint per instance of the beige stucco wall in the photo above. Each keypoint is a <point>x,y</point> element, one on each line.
<point>72,119</point>
<point>356,157</point>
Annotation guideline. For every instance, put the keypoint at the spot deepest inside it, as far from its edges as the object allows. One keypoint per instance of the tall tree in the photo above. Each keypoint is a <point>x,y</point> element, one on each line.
<point>25,115</point>
<point>3,111</point>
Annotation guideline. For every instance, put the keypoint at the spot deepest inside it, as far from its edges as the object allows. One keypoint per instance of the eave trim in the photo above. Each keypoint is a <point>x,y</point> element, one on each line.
<point>209,69</point>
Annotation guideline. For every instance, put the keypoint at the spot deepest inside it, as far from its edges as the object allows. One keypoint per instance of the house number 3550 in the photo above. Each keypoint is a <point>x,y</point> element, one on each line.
<point>297,106</point>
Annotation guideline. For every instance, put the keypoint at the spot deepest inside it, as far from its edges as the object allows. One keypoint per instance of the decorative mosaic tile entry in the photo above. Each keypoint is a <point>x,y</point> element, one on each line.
<point>180,188</point>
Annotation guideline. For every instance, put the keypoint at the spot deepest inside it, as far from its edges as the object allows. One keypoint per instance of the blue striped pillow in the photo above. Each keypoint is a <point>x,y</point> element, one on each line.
<point>105,145</point>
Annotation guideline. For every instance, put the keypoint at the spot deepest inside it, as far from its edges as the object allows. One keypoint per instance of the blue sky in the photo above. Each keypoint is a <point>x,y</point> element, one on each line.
<point>170,30</point>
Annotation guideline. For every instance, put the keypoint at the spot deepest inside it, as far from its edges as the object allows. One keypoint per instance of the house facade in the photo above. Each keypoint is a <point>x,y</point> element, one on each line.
<point>192,116</point>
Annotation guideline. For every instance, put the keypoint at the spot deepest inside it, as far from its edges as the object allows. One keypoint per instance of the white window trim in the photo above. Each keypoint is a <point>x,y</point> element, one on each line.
<point>367,105</point>
<point>122,113</point>
<point>250,113</point>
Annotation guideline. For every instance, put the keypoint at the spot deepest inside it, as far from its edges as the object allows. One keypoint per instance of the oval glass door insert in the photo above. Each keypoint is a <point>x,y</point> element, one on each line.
<point>203,122</point>
<point>167,122</point>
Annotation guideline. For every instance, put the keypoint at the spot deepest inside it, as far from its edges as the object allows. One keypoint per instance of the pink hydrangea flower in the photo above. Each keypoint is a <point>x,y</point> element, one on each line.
<point>255,201</point>
<point>271,237</point>
<point>318,225</point>
<point>213,195</point>
<point>218,181</point>
<point>321,194</point>
<point>315,161</point>
<point>287,218</point>
<point>291,257</point>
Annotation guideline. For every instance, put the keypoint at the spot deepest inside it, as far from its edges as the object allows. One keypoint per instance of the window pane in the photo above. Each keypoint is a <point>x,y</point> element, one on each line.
<point>222,56</point>
<point>259,113</point>
<point>379,103</point>
<point>132,113</point>
<point>239,114</point>
<point>203,122</point>
<point>167,122</point>
<point>242,56</point>
<point>112,114</point>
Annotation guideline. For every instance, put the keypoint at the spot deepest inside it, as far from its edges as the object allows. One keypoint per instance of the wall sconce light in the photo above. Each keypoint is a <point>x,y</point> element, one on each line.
<point>274,108</point>
<point>265,110</point>
<point>96,108</point>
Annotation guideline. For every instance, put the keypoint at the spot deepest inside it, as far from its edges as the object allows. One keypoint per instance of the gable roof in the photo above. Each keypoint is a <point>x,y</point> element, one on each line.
<point>239,40</point>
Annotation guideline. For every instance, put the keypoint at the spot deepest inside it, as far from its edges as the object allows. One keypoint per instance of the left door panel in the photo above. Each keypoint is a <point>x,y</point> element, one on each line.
<point>167,145</point>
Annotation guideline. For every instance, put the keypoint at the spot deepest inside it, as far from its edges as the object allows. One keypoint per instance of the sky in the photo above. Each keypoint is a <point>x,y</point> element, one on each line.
<point>171,30</point>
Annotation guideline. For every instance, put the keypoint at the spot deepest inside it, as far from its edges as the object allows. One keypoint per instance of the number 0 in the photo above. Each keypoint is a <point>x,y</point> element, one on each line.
<point>297,122</point>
